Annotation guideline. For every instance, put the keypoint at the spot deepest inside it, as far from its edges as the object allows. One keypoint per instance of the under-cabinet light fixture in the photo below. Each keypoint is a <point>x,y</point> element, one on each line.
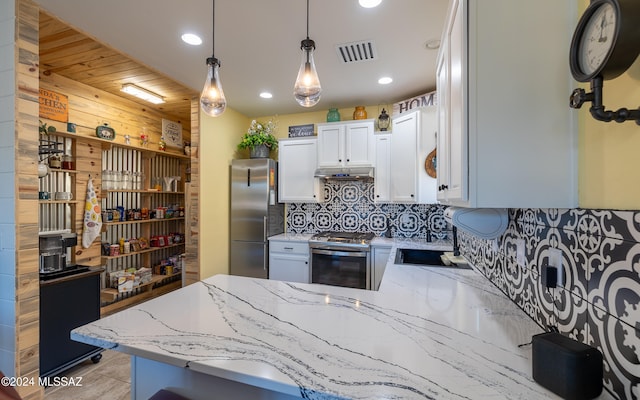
<point>141,93</point>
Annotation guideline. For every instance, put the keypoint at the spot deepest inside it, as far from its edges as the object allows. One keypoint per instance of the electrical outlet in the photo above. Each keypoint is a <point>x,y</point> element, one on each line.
<point>555,260</point>
<point>520,253</point>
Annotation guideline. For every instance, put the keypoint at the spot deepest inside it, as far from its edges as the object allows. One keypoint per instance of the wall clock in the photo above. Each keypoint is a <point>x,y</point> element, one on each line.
<point>605,44</point>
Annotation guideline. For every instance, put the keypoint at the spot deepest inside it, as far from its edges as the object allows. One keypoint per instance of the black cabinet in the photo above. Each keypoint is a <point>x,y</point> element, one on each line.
<point>67,303</point>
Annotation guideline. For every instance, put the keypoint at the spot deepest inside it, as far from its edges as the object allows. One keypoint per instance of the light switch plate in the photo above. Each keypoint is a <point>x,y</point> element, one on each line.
<point>520,253</point>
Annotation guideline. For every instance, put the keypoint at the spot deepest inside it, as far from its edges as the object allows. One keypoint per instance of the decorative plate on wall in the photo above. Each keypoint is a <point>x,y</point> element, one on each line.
<point>105,132</point>
<point>430,164</point>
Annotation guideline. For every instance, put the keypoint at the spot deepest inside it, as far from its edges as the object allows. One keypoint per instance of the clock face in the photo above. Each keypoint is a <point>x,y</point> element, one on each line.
<point>597,39</point>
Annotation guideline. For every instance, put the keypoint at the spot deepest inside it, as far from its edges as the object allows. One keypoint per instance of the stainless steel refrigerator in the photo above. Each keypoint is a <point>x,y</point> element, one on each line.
<point>255,215</point>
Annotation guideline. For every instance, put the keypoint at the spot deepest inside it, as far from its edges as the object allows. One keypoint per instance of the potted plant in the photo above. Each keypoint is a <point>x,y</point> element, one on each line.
<point>259,139</point>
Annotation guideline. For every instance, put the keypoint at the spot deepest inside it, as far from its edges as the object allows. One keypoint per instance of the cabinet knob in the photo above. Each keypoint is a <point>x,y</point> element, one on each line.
<point>348,160</point>
<point>340,160</point>
<point>378,195</point>
<point>411,195</point>
<point>306,262</point>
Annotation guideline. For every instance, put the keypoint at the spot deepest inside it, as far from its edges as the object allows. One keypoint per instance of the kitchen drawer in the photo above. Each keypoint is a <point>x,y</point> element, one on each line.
<point>289,247</point>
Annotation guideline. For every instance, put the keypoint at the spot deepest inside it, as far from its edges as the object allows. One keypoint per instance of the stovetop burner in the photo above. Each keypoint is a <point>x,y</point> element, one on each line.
<point>352,238</point>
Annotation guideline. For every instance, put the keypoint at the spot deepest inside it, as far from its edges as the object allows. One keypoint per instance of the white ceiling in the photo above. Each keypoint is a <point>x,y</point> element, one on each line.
<point>258,43</point>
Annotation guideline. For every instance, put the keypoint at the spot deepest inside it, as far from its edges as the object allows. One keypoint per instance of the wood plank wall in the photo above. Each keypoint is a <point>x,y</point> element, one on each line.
<point>192,257</point>
<point>88,108</point>
<point>26,214</point>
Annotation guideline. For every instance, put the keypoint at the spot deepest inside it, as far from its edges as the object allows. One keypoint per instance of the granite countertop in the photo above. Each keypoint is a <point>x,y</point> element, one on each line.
<point>293,237</point>
<point>430,332</point>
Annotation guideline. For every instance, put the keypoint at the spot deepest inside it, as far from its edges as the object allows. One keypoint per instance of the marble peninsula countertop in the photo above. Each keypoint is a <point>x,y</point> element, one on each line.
<point>428,333</point>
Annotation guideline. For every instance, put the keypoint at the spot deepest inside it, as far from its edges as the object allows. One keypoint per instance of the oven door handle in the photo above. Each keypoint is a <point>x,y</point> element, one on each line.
<point>339,253</point>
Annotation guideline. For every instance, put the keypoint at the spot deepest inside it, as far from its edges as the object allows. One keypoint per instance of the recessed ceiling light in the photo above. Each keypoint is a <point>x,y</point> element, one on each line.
<point>266,95</point>
<point>192,39</point>
<point>385,80</point>
<point>370,3</point>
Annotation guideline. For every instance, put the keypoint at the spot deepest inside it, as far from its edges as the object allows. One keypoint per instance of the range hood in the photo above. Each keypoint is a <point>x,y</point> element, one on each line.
<point>346,173</point>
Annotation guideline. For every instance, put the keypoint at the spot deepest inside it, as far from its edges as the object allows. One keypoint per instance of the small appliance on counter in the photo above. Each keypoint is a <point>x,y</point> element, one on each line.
<point>55,253</point>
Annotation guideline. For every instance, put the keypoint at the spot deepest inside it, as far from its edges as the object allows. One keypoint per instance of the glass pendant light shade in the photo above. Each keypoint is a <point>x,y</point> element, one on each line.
<point>307,89</point>
<point>212,100</point>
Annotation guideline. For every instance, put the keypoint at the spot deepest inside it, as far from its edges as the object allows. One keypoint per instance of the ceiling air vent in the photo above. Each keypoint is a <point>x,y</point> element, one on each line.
<point>364,50</point>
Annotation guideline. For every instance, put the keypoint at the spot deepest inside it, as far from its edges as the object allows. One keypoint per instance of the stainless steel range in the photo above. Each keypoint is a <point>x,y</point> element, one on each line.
<point>341,259</point>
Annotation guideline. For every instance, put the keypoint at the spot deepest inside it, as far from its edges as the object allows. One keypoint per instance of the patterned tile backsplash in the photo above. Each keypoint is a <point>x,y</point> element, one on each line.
<point>599,303</point>
<point>349,207</point>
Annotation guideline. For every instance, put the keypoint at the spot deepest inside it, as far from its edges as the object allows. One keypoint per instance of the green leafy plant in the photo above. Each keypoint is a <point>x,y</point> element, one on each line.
<point>259,133</point>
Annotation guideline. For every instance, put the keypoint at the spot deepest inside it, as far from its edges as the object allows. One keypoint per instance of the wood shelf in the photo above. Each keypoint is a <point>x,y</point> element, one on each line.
<point>68,171</point>
<point>141,221</point>
<point>146,292</point>
<point>109,295</point>
<point>107,144</point>
<point>134,253</point>
<point>60,201</point>
<point>107,191</point>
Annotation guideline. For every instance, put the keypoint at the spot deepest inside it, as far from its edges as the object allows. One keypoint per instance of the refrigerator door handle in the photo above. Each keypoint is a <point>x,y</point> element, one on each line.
<point>248,176</point>
<point>264,228</point>
<point>265,257</point>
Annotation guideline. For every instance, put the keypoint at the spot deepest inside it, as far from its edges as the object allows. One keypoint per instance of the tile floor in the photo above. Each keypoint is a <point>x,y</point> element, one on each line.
<point>108,379</point>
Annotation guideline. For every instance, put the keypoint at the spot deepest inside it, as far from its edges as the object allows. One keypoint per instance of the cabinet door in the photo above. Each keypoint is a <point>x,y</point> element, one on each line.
<point>331,145</point>
<point>296,167</point>
<point>458,155</point>
<point>382,168</point>
<point>404,183</point>
<point>359,144</point>
<point>443,154</point>
<point>289,268</point>
<point>380,259</point>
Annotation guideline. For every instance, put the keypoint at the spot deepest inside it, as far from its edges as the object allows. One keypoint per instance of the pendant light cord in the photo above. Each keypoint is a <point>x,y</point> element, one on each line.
<point>213,29</point>
<point>307,19</point>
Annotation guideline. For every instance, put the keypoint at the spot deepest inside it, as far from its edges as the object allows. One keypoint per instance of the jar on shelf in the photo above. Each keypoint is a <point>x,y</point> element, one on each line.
<point>55,162</point>
<point>107,179</point>
<point>360,113</point>
<point>68,162</point>
<point>117,180</point>
<point>157,183</point>
<point>333,115</point>
<point>126,180</point>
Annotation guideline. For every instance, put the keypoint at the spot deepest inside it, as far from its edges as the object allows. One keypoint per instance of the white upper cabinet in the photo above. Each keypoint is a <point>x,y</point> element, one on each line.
<point>296,167</point>
<point>507,136</point>
<point>382,179</point>
<point>346,144</point>
<point>413,137</point>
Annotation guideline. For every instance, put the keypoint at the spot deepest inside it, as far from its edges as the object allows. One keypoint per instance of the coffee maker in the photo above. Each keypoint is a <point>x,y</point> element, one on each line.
<point>55,251</point>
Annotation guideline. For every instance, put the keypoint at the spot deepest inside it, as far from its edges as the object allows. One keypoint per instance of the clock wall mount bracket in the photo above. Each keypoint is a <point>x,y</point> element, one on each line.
<point>605,43</point>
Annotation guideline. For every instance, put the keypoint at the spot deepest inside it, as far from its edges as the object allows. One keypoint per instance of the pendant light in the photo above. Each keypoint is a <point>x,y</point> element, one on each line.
<point>212,100</point>
<point>307,89</point>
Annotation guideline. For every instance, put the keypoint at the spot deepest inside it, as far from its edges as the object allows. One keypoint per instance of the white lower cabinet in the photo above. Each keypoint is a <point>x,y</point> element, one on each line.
<point>289,261</point>
<point>380,257</point>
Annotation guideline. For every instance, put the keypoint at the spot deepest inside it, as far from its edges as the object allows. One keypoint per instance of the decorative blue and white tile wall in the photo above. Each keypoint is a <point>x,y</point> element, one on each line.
<point>349,207</point>
<point>600,302</point>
